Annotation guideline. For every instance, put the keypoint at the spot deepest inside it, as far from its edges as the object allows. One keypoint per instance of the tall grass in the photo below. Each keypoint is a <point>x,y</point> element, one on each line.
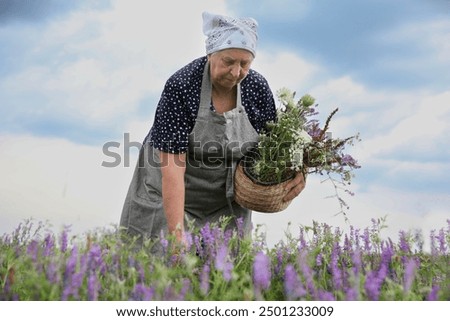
<point>318,263</point>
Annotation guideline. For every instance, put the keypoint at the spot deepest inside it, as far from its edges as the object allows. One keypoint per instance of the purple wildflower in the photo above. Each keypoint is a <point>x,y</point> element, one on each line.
<point>404,244</point>
<point>71,265</point>
<point>308,274</point>
<point>93,287</point>
<point>335,270</point>
<point>49,245</point>
<point>433,295</point>
<point>315,237</point>
<point>441,241</point>
<point>227,235</point>
<point>347,244</point>
<point>221,258</point>
<point>72,261</point>
<point>240,227</point>
<point>293,287</point>
<point>279,255</point>
<point>383,272</point>
<point>95,259</point>
<point>351,294</point>
<point>303,244</point>
<point>164,242</point>
<point>366,239</point>
<point>141,292</point>
<point>261,271</point>
<point>357,237</point>
<point>325,296</point>
<point>6,239</point>
<point>114,266</point>
<point>64,239</point>
<point>204,279</point>
<point>222,264</point>
<point>198,246</point>
<point>357,262</point>
<point>217,233</point>
<point>372,286</point>
<point>352,234</point>
<point>319,259</point>
<point>184,290</point>
<point>386,255</point>
<point>84,262</point>
<point>170,294</point>
<point>51,272</point>
<point>260,242</point>
<point>408,278</point>
<point>374,281</point>
<point>189,240</point>
<point>348,160</point>
<point>72,289</point>
<point>314,130</point>
<point>33,250</point>
<point>207,237</point>
<point>74,280</point>
<point>17,231</point>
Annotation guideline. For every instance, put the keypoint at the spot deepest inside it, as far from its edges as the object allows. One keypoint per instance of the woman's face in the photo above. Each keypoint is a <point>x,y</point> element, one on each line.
<point>228,67</point>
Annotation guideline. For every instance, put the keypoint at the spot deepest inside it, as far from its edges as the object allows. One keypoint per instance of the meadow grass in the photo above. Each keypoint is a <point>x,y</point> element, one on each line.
<point>318,263</point>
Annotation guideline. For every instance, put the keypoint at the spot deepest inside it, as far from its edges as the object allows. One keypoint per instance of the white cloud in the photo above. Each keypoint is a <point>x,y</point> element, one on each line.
<point>439,41</point>
<point>58,181</point>
<point>285,69</point>
<point>99,65</point>
<point>419,50</point>
<point>423,129</point>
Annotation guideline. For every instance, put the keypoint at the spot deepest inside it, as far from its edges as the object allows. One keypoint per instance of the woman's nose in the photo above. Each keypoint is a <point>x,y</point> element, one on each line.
<point>236,70</point>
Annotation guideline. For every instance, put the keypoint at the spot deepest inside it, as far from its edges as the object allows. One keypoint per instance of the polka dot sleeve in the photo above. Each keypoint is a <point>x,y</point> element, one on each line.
<point>258,100</point>
<point>177,109</point>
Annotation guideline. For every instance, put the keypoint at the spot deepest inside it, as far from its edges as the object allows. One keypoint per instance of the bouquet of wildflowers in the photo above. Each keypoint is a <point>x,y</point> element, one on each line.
<point>296,142</point>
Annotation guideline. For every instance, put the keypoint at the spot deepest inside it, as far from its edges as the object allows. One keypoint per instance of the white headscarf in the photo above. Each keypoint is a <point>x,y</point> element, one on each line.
<point>225,32</point>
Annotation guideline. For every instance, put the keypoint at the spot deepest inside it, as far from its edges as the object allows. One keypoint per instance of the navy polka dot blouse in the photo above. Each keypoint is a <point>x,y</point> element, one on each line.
<point>179,103</point>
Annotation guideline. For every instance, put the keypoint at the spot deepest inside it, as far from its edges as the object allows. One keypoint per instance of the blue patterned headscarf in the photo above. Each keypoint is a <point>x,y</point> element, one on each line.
<point>225,32</point>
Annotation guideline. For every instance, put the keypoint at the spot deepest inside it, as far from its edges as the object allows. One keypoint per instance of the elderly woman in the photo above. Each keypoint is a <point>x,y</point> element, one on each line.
<point>209,114</point>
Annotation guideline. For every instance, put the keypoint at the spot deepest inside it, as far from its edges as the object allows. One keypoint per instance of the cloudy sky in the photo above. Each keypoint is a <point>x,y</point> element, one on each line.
<point>75,75</point>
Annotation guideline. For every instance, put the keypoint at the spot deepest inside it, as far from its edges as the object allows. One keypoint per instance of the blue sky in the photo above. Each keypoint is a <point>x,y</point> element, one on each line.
<point>357,37</point>
<point>77,74</point>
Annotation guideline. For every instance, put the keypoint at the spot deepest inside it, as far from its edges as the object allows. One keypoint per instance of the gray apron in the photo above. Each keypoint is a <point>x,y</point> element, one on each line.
<point>216,144</point>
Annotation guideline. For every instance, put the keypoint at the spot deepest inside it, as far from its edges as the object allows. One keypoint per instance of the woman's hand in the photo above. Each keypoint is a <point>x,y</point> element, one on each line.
<point>179,244</point>
<point>295,187</point>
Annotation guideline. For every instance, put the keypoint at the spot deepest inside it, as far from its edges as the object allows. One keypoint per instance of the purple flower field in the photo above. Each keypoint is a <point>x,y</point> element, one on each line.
<point>318,263</point>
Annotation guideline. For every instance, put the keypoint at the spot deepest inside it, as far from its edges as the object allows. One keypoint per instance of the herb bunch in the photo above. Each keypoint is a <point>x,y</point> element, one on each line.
<point>296,142</point>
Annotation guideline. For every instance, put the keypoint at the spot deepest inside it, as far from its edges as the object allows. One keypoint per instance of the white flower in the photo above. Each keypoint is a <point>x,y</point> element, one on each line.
<point>297,159</point>
<point>286,97</point>
<point>304,136</point>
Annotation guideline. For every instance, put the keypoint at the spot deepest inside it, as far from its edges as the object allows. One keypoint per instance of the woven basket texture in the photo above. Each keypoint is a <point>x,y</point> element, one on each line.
<point>258,197</point>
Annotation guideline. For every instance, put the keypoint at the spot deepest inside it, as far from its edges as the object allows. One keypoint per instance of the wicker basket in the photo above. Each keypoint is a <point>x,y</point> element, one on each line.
<point>257,196</point>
